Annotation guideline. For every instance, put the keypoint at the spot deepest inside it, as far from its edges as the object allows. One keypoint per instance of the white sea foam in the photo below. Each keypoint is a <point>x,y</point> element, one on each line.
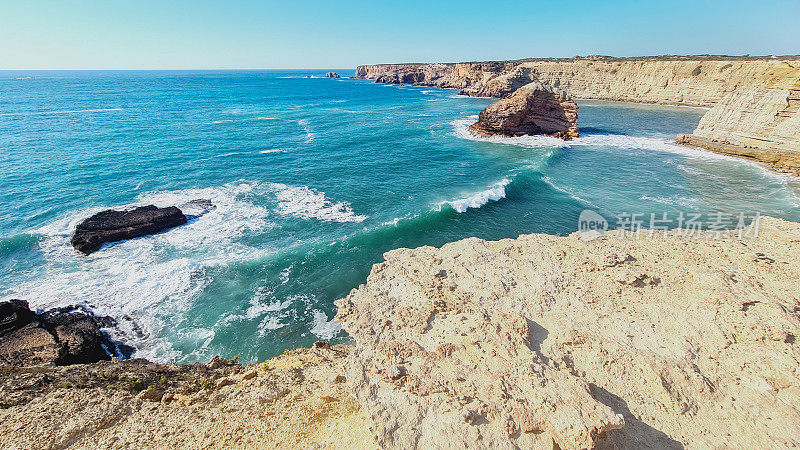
<point>147,283</point>
<point>496,192</point>
<point>309,203</point>
<point>221,156</point>
<point>272,150</point>
<point>618,141</point>
<point>685,202</point>
<point>150,279</point>
<point>307,129</point>
<point>461,130</point>
<point>323,328</point>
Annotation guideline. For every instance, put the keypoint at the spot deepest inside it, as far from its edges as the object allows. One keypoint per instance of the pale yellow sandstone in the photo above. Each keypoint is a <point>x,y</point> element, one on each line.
<point>542,340</point>
<point>755,103</point>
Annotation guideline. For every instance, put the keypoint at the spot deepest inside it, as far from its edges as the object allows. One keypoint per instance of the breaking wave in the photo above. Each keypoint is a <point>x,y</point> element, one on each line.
<point>494,193</point>
<point>143,282</point>
<point>309,203</point>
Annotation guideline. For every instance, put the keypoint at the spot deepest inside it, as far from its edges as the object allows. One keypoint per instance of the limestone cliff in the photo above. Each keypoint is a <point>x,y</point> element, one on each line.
<point>755,103</point>
<point>554,342</point>
<point>535,342</point>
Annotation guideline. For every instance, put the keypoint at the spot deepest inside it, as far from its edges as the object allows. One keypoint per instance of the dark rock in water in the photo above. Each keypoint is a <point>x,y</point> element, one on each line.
<point>62,336</point>
<point>113,226</point>
<point>332,75</point>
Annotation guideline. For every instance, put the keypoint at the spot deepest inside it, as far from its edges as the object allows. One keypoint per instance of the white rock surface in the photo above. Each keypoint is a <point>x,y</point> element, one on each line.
<point>659,342</point>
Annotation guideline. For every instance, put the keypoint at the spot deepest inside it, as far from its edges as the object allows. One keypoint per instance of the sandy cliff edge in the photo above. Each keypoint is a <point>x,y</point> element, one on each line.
<point>664,342</point>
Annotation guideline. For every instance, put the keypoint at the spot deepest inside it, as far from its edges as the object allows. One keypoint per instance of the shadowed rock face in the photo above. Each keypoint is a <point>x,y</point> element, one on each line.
<point>535,108</point>
<point>60,336</point>
<point>332,75</point>
<point>112,226</point>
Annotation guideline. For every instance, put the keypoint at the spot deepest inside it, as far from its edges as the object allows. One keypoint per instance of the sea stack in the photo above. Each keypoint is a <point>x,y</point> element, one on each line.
<point>332,75</point>
<point>113,226</point>
<point>536,108</point>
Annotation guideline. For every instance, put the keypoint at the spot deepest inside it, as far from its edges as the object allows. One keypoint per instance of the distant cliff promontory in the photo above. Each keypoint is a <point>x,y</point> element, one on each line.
<point>755,102</point>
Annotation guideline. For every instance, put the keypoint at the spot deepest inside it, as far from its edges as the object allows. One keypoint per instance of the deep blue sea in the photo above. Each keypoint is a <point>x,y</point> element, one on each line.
<point>313,180</point>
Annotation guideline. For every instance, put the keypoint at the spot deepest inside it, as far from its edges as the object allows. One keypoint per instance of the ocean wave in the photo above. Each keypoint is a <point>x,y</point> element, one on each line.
<point>617,141</point>
<point>272,150</point>
<point>224,155</point>
<point>309,203</point>
<point>146,283</point>
<point>494,193</point>
<point>568,192</point>
<point>681,201</point>
<point>13,244</point>
<point>307,129</point>
<point>461,130</point>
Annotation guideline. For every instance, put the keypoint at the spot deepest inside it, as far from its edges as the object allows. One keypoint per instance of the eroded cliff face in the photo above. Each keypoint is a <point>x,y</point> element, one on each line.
<point>657,342</point>
<point>755,104</point>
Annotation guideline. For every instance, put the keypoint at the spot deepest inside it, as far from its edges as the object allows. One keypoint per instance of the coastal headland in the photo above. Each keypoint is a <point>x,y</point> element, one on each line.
<point>754,102</point>
<point>663,341</point>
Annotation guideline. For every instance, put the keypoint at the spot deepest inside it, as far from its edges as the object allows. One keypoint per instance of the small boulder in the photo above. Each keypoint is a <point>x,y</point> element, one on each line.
<point>535,108</point>
<point>14,314</point>
<point>112,226</point>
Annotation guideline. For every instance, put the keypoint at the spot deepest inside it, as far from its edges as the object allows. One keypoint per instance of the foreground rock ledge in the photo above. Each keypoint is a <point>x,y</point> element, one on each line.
<point>535,108</point>
<point>296,400</point>
<point>650,343</point>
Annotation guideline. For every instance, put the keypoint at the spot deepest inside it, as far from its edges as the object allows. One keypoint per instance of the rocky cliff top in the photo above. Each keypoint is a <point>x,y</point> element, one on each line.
<point>657,342</point>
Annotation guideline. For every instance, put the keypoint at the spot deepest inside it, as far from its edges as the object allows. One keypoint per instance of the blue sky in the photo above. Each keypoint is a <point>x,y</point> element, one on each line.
<point>178,34</point>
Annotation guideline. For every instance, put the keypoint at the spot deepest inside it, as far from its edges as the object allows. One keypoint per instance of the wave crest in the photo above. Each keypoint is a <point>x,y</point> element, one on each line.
<point>494,193</point>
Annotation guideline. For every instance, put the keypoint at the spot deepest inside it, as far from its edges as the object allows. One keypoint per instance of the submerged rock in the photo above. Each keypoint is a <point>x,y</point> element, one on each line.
<point>535,108</point>
<point>332,75</point>
<point>62,336</point>
<point>112,226</point>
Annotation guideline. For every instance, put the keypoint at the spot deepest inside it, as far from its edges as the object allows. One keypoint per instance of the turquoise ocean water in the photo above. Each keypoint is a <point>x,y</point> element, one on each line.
<point>313,179</point>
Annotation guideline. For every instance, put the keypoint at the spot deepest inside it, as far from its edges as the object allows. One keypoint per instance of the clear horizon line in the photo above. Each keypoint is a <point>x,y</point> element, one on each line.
<point>173,70</point>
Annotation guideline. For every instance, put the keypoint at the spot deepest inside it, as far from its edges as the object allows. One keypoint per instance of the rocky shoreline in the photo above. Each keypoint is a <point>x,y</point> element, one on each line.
<point>662,341</point>
<point>754,102</point>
